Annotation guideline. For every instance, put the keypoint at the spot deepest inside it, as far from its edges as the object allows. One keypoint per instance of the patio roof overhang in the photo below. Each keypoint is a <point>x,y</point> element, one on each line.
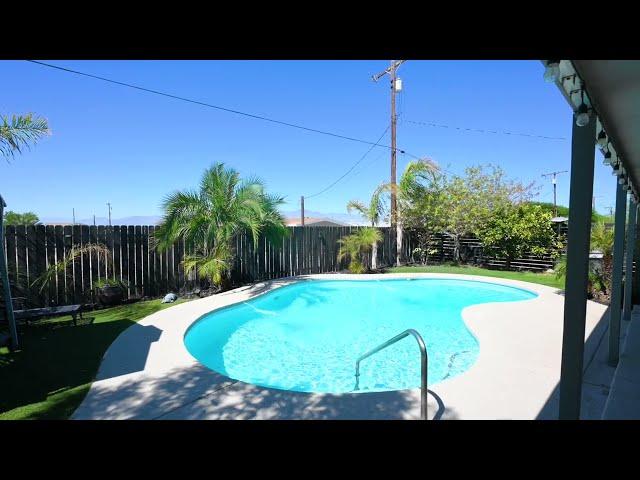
<point>611,89</point>
<point>605,98</point>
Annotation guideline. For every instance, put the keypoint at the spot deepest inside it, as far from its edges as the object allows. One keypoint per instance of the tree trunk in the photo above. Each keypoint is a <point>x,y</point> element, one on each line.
<point>374,255</point>
<point>398,244</point>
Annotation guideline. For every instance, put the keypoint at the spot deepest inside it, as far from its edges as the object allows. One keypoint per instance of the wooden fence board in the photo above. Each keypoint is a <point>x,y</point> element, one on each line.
<point>40,299</point>
<point>32,272</point>
<point>76,265</point>
<point>62,276</point>
<point>145,260</point>
<point>153,290</point>
<point>10,245</point>
<point>124,257</point>
<point>104,266</point>
<point>21,262</point>
<point>138,257</point>
<point>114,236</point>
<point>131,260</point>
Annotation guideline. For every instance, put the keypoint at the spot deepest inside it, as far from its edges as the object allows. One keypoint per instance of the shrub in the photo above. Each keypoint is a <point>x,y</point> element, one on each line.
<point>355,246</point>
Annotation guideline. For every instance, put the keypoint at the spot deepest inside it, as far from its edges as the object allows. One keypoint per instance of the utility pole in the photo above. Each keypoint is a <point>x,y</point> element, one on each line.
<point>74,215</point>
<point>593,203</point>
<point>302,210</point>
<point>610,211</point>
<point>109,205</point>
<point>395,87</point>
<point>94,219</point>
<point>553,180</point>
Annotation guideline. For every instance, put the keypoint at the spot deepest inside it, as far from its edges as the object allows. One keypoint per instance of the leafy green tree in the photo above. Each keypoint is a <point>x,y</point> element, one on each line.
<point>356,246</point>
<point>602,239</point>
<point>374,211</point>
<point>20,131</point>
<point>563,211</point>
<point>469,201</point>
<point>14,218</point>
<point>210,218</point>
<point>513,231</point>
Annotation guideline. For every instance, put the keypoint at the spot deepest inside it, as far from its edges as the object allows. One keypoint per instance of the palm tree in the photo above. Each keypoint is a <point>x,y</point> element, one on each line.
<point>19,131</point>
<point>61,267</point>
<point>210,218</point>
<point>373,212</point>
<point>356,245</point>
<point>410,186</point>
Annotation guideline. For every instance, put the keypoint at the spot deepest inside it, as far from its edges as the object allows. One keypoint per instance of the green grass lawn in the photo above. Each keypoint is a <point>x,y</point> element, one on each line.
<point>52,373</point>
<point>548,279</point>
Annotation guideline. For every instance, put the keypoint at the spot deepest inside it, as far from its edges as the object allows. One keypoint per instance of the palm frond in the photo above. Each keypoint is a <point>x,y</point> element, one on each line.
<point>19,131</point>
<point>76,251</point>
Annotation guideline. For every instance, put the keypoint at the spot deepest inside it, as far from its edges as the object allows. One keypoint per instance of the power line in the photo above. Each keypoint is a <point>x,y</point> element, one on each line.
<point>217,107</point>
<point>352,166</point>
<point>431,124</point>
<point>367,164</point>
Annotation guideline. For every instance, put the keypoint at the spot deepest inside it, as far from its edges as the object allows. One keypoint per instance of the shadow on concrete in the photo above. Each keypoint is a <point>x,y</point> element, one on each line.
<point>596,373</point>
<point>132,348</point>
<point>199,393</point>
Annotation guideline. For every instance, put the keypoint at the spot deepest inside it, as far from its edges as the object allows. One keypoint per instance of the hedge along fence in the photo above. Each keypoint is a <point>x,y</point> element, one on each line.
<point>31,249</point>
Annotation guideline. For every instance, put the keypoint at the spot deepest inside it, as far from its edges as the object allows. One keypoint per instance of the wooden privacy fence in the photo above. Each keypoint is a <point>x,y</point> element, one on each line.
<point>147,273</point>
<point>472,251</point>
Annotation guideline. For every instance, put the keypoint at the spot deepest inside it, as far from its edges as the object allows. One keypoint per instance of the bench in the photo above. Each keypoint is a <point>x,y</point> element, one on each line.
<point>36,313</point>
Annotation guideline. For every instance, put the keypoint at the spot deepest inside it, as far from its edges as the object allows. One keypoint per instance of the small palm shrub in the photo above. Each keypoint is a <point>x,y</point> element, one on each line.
<point>209,218</point>
<point>354,247</point>
<point>62,265</point>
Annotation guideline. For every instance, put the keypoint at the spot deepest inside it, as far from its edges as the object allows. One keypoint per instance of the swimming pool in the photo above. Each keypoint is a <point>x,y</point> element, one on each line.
<point>307,336</point>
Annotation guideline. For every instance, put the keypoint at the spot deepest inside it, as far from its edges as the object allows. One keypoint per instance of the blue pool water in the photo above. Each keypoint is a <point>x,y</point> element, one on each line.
<point>307,336</point>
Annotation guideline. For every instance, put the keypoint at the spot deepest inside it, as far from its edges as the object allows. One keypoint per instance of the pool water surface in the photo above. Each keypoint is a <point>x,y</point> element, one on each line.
<point>307,336</point>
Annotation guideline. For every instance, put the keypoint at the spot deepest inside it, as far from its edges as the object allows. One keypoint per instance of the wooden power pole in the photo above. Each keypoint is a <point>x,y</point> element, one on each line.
<point>553,180</point>
<point>391,71</point>
<point>302,210</point>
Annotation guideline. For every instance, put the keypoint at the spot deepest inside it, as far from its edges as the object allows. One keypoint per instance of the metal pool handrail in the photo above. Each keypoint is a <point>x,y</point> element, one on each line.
<point>423,365</point>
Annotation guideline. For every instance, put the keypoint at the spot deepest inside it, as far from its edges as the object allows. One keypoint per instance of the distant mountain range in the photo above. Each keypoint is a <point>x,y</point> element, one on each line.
<point>136,220</point>
<point>340,217</point>
<point>155,219</point>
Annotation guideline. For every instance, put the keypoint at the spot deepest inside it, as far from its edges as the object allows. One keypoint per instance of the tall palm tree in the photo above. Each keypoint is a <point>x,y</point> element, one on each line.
<point>210,218</point>
<point>408,188</point>
<point>373,212</point>
<point>19,131</point>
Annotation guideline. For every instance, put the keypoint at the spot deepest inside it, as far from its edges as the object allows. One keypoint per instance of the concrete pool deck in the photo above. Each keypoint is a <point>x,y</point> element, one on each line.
<point>147,373</point>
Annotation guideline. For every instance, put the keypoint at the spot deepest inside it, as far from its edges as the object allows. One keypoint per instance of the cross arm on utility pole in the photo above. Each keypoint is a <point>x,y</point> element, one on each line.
<point>387,71</point>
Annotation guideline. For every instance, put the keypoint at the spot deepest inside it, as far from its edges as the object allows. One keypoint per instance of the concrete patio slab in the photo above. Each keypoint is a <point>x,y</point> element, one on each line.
<point>147,373</point>
<point>623,402</point>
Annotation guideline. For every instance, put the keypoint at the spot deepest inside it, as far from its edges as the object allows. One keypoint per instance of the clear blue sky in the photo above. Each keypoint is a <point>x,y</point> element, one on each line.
<point>112,143</point>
